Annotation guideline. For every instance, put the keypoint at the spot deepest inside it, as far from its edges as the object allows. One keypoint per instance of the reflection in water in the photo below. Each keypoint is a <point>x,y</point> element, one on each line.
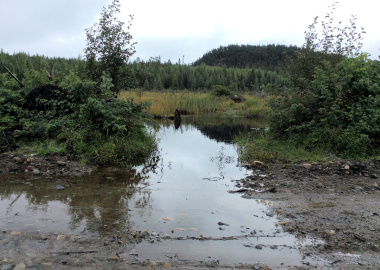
<point>221,161</point>
<point>96,203</point>
<point>166,194</point>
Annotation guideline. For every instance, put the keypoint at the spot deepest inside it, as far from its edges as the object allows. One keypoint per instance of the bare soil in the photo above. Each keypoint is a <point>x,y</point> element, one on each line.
<point>337,202</point>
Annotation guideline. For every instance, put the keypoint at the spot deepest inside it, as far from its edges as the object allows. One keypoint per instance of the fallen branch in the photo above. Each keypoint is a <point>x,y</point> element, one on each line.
<point>14,77</point>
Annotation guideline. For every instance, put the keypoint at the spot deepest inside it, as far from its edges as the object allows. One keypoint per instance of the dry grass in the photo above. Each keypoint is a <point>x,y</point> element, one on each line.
<point>165,103</point>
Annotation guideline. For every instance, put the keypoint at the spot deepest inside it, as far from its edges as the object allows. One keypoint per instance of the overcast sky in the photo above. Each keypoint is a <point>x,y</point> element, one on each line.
<point>174,29</point>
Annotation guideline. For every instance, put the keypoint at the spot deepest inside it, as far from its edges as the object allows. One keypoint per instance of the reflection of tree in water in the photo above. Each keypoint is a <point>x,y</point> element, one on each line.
<point>221,160</point>
<point>100,200</point>
<point>223,133</point>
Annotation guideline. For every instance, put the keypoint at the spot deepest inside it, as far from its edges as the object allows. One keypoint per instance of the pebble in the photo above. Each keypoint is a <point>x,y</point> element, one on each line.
<point>61,237</point>
<point>61,163</point>
<point>6,267</point>
<point>259,246</point>
<point>167,265</point>
<point>20,266</point>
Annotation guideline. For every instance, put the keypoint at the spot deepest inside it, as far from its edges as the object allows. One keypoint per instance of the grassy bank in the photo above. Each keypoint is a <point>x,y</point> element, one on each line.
<point>164,104</point>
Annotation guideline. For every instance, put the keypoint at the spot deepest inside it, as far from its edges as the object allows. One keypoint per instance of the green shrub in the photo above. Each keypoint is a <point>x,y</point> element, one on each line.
<point>221,91</point>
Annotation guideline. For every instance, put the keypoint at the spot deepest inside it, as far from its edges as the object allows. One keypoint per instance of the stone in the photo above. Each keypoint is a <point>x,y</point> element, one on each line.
<point>257,163</point>
<point>167,265</point>
<point>30,168</point>
<point>259,246</point>
<point>61,163</point>
<point>19,266</point>
<point>7,267</point>
<point>347,167</point>
<point>61,237</point>
<point>306,165</point>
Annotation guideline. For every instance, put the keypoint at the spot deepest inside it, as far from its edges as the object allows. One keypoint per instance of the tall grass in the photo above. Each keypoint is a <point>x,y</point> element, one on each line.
<point>259,145</point>
<point>165,103</point>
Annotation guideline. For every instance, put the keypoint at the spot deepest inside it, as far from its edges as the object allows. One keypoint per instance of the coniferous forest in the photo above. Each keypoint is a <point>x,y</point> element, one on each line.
<point>262,72</point>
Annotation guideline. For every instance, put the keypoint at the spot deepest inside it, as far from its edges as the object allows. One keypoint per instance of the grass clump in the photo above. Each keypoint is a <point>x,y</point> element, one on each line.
<point>258,145</point>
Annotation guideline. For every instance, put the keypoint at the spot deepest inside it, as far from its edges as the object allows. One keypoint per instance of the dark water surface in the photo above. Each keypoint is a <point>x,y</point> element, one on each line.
<point>180,192</point>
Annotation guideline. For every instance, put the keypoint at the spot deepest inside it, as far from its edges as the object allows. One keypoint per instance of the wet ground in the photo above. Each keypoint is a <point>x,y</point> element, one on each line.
<point>188,207</point>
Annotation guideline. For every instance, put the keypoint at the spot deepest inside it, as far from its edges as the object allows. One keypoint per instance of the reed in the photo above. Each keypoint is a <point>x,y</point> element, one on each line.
<point>164,104</point>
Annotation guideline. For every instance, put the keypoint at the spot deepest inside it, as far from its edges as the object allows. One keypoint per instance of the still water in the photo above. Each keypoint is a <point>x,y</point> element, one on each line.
<point>181,192</point>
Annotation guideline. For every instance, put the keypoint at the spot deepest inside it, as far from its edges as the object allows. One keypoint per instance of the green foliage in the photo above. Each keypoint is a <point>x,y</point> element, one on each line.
<point>221,91</point>
<point>260,145</point>
<point>109,47</point>
<point>333,98</point>
<point>268,57</point>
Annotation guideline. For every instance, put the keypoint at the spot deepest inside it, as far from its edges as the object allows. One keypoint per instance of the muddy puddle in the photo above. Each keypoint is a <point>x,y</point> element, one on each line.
<point>180,197</point>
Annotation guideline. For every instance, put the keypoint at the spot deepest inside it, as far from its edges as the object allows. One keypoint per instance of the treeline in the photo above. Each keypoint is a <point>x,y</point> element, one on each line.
<point>21,63</point>
<point>153,74</point>
<point>267,57</point>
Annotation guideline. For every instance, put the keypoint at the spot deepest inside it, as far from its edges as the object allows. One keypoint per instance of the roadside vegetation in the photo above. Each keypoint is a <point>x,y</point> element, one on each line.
<point>331,103</point>
<point>75,112</point>
<point>319,101</point>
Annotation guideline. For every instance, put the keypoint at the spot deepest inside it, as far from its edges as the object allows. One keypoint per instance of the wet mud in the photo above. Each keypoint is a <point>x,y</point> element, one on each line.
<point>337,202</point>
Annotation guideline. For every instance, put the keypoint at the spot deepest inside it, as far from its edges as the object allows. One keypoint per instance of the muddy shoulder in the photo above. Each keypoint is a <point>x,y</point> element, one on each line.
<point>337,202</point>
<point>38,165</point>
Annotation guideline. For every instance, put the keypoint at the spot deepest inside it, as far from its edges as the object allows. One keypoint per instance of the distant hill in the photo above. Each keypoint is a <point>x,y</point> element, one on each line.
<point>268,57</point>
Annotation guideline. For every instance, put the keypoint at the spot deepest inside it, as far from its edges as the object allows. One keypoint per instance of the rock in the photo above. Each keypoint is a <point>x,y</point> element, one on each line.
<point>359,189</point>
<point>373,176</point>
<point>167,265</point>
<point>61,163</point>
<point>14,233</point>
<point>257,163</point>
<point>223,224</point>
<point>7,267</point>
<point>59,187</point>
<point>36,171</point>
<point>30,168</point>
<point>113,258</point>
<point>306,165</point>
<point>61,237</point>
<point>20,266</point>
<point>347,167</point>
<point>259,246</point>
<point>43,237</point>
